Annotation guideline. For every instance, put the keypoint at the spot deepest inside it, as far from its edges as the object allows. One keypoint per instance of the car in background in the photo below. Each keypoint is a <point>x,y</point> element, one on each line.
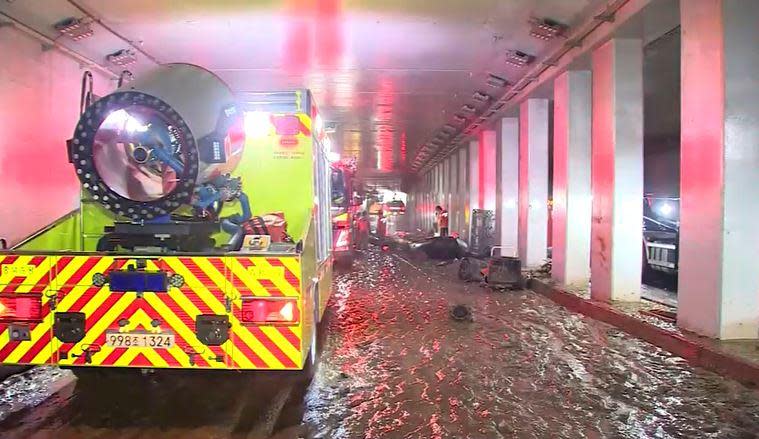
<point>661,234</point>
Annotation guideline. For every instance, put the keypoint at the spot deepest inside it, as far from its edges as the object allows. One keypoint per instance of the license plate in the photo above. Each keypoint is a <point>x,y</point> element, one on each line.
<point>139,340</point>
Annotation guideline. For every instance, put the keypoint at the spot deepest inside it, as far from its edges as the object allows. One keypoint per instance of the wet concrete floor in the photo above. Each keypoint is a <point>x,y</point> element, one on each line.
<point>395,365</point>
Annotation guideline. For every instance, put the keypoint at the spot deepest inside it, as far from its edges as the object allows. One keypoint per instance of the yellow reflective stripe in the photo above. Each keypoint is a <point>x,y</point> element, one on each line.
<point>35,335</point>
<point>76,292</point>
<point>60,277</point>
<point>282,343</point>
<point>195,285</point>
<point>209,299</point>
<point>152,356</point>
<point>256,346</point>
<point>177,325</point>
<point>36,276</point>
<point>280,282</point>
<point>20,261</point>
<point>293,265</point>
<point>138,318</point>
<point>247,279</point>
<point>108,318</point>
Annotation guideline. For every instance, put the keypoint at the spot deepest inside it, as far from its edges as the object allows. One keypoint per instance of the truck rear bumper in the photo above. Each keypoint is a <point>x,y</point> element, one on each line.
<point>201,324</point>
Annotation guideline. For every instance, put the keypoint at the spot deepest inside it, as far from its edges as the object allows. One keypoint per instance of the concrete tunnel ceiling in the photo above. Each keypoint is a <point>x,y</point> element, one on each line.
<point>388,74</point>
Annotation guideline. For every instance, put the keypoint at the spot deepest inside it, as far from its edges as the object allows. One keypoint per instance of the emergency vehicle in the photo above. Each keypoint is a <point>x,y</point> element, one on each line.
<point>147,272</point>
<point>345,212</point>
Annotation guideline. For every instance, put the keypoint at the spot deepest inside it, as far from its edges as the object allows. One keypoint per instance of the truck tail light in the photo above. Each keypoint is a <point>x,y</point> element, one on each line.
<point>21,307</point>
<point>270,311</point>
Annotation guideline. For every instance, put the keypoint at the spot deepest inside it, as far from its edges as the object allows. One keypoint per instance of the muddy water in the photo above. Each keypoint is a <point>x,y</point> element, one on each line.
<point>396,365</point>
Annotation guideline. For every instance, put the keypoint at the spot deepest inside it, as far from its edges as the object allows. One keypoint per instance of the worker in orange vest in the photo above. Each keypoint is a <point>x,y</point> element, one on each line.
<point>442,220</point>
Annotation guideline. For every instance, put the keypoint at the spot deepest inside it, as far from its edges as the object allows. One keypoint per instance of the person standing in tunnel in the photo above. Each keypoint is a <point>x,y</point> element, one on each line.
<point>441,216</point>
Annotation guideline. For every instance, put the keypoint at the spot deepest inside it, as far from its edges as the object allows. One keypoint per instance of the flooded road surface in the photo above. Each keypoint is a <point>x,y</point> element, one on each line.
<point>394,364</point>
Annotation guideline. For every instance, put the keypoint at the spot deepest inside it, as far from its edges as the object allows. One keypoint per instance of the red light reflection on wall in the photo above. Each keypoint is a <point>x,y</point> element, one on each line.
<point>487,175</point>
<point>385,104</point>
<point>314,35</point>
<point>403,147</point>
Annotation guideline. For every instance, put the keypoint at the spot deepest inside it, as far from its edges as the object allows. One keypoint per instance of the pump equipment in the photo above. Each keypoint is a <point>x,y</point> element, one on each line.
<point>158,152</point>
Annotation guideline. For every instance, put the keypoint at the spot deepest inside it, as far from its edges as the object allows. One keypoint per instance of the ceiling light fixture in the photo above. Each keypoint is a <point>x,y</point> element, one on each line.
<point>518,58</point>
<point>496,81</point>
<point>480,97</point>
<point>468,109</point>
<point>74,28</point>
<point>546,29</point>
<point>122,57</point>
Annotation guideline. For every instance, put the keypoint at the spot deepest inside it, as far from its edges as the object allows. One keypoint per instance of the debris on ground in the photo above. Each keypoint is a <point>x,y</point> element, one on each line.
<point>461,313</point>
<point>470,269</point>
<point>30,388</point>
<point>441,248</point>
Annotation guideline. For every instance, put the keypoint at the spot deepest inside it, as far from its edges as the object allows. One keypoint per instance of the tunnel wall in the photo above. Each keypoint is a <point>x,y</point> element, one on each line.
<point>661,116</point>
<point>39,91</point>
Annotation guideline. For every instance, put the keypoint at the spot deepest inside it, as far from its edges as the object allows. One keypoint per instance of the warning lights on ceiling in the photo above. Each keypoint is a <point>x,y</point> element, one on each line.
<point>518,58</point>
<point>546,29</point>
<point>74,28</point>
<point>123,57</point>
<point>496,81</point>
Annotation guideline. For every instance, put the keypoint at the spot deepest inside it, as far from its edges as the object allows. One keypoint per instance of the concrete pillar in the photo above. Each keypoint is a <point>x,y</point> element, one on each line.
<point>719,176</point>
<point>463,213</point>
<point>507,189</point>
<point>487,174</point>
<point>617,171</point>
<point>533,182</point>
<point>474,175</point>
<point>440,183</point>
<point>453,204</point>
<point>448,185</point>
<point>572,209</point>
<point>427,201</point>
<point>474,182</point>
